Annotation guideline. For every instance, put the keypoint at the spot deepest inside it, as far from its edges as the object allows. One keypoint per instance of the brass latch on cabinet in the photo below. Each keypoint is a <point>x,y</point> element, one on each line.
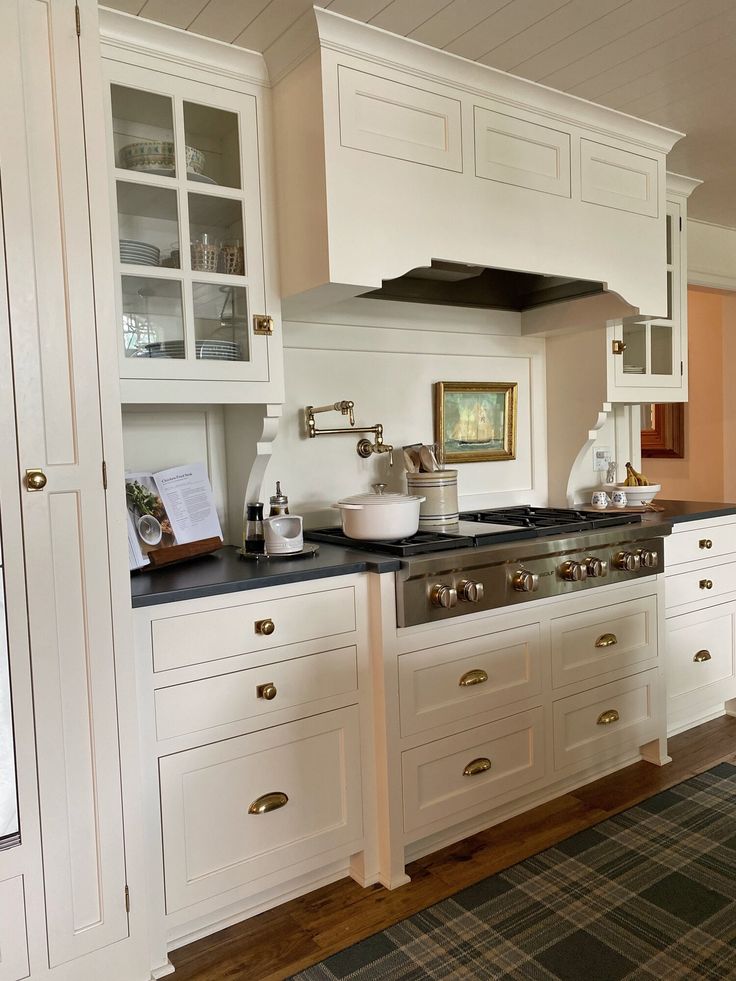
<point>262,324</point>
<point>618,347</point>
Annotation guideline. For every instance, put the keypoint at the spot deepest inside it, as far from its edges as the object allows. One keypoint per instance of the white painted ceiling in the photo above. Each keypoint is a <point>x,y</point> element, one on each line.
<point>670,61</point>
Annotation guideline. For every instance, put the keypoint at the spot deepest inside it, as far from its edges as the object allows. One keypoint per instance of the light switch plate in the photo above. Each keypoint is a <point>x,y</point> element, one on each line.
<point>601,458</point>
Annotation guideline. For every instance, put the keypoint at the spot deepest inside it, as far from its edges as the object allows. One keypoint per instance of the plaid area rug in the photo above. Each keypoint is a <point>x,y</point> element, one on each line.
<point>648,894</point>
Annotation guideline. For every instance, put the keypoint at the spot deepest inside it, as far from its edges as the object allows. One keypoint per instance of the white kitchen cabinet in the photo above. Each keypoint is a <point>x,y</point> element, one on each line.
<point>188,152</point>
<point>700,592</point>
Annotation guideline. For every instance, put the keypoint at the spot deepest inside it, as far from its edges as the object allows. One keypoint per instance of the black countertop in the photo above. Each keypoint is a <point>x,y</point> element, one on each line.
<point>225,572</point>
<point>677,511</point>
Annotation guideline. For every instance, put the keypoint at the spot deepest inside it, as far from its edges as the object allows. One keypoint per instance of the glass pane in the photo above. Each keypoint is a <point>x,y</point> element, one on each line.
<point>216,234</point>
<point>669,296</point>
<point>221,322</point>
<point>669,240</point>
<point>661,350</point>
<point>153,325</point>
<point>635,353</point>
<point>143,131</point>
<point>8,795</point>
<point>213,145</point>
<point>148,225</point>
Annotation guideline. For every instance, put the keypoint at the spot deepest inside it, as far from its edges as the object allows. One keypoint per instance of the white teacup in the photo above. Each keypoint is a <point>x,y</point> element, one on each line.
<point>283,534</point>
<point>619,499</point>
<point>600,499</point>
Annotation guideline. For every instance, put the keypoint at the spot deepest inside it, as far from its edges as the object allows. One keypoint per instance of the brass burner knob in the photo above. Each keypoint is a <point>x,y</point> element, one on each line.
<point>444,596</point>
<point>596,567</point>
<point>627,561</point>
<point>572,571</point>
<point>525,582</point>
<point>470,591</point>
<point>648,558</point>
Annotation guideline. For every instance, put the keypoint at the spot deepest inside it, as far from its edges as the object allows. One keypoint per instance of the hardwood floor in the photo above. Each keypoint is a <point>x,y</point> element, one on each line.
<point>276,944</point>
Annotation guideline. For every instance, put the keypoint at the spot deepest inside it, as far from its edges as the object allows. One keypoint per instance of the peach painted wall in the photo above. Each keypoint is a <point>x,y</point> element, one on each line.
<point>700,475</point>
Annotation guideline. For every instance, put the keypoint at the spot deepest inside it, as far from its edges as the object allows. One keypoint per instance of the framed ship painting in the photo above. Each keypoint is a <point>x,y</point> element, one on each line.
<point>475,422</point>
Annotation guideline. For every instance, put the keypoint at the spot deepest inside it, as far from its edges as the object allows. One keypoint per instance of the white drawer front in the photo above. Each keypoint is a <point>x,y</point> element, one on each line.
<point>436,786</point>
<point>697,545</point>
<point>515,151</point>
<point>194,638</point>
<point>436,686</point>
<point>701,586</point>
<point>211,841</point>
<point>13,941</point>
<point>580,733</point>
<point>700,653</point>
<point>200,705</point>
<point>585,645</point>
<point>397,120</point>
<point>619,179</point>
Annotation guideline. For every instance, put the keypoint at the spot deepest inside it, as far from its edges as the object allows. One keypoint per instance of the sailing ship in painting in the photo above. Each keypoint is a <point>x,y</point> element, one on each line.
<point>473,426</point>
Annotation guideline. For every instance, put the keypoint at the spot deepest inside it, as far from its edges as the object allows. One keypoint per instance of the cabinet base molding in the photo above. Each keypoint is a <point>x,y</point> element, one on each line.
<point>162,972</point>
<point>418,849</point>
<point>706,716</point>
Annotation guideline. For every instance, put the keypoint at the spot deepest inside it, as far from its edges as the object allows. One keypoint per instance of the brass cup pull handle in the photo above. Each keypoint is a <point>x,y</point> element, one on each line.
<point>481,765</point>
<point>706,584</point>
<point>606,718</point>
<point>705,543</point>
<point>606,640</point>
<point>269,691</point>
<point>35,480</point>
<point>475,677</point>
<point>701,656</point>
<point>268,802</point>
<point>265,627</point>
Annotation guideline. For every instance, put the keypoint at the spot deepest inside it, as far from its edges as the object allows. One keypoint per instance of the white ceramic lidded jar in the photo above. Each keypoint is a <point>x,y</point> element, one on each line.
<point>440,505</point>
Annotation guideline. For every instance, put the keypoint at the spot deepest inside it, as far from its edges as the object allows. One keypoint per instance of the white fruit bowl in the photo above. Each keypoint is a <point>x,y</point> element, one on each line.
<point>636,495</point>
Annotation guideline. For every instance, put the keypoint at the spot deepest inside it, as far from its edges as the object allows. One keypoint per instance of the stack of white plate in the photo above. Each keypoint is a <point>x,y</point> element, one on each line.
<point>206,350</point>
<point>139,253</point>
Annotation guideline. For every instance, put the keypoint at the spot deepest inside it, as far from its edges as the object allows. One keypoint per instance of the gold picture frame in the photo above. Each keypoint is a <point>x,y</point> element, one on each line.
<point>475,422</point>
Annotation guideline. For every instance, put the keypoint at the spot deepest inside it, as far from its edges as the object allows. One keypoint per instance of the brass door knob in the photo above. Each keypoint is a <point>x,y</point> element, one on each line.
<point>269,691</point>
<point>35,480</point>
<point>705,543</point>
<point>265,627</point>
<point>268,802</point>
<point>706,584</point>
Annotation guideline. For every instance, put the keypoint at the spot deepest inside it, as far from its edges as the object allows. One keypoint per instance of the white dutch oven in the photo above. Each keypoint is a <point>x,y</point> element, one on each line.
<point>380,517</point>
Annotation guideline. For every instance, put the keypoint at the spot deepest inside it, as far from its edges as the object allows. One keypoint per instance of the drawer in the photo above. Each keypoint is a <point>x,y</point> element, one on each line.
<point>13,940</point>
<point>195,638</point>
<point>200,705</point>
<point>501,757</point>
<point>701,586</point>
<point>580,732</point>
<point>448,683</point>
<point>585,645</point>
<point>700,653</point>
<point>213,842</point>
<point>703,543</point>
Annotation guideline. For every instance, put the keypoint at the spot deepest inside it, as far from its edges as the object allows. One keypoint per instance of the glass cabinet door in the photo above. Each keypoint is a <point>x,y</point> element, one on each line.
<point>190,254</point>
<point>647,355</point>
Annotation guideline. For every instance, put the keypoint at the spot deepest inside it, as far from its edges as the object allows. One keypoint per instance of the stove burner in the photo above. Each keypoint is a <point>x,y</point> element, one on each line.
<point>550,521</point>
<point>419,544</point>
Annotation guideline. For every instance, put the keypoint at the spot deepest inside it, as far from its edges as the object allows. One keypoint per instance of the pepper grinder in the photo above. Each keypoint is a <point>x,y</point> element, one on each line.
<point>254,542</point>
<point>279,502</point>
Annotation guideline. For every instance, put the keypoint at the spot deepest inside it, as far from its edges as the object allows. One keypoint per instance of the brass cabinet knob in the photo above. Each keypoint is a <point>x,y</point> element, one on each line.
<point>35,480</point>
<point>701,656</point>
<point>705,543</point>
<point>606,640</point>
<point>265,627</point>
<point>269,691</point>
<point>481,765</point>
<point>606,718</point>
<point>706,584</point>
<point>475,677</point>
<point>268,802</point>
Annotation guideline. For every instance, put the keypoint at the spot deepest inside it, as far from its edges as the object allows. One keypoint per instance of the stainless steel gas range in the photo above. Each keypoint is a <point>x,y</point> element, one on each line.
<point>506,556</point>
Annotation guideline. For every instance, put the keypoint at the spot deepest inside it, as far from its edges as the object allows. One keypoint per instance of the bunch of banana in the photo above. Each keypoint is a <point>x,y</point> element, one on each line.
<point>634,478</point>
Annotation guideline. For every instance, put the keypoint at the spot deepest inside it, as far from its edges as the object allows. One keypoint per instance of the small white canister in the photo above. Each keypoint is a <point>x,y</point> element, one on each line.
<point>439,490</point>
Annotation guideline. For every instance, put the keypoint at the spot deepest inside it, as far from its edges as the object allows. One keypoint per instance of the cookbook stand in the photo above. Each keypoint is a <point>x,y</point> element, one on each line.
<point>177,553</point>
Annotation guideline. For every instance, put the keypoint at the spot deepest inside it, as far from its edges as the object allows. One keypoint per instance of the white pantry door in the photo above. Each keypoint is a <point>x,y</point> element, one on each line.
<point>55,367</point>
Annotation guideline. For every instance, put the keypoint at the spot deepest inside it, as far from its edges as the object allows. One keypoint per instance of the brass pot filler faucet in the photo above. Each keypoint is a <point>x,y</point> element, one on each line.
<point>364,447</point>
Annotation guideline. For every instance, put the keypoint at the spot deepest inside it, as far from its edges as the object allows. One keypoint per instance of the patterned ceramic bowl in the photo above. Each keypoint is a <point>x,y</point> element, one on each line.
<point>159,155</point>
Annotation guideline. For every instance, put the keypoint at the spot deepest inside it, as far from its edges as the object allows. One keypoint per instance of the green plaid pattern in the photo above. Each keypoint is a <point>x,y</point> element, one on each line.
<point>648,895</point>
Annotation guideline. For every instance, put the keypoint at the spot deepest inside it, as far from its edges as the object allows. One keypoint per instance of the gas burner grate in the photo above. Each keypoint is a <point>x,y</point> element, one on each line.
<point>419,544</point>
<point>549,521</point>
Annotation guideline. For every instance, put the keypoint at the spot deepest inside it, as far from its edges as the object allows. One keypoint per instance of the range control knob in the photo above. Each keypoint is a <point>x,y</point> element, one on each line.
<point>470,591</point>
<point>573,571</point>
<point>525,582</point>
<point>627,561</point>
<point>648,558</point>
<point>596,567</point>
<point>444,596</point>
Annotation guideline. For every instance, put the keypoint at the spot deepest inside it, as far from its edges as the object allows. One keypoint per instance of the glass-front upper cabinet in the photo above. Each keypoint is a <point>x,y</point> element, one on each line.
<point>189,237</point>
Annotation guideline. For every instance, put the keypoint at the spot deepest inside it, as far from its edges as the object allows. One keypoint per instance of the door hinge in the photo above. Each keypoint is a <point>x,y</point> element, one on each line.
<point>682,370</point>
<point>77,19</point>
<point>680,222</point>
<point>104,475</point>
<point>127,900</point>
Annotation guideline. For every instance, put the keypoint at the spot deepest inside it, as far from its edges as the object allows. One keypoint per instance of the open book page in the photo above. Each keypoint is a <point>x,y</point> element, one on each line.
<point>148,522</point>
<point>188,502</point>
<point>136,557</point>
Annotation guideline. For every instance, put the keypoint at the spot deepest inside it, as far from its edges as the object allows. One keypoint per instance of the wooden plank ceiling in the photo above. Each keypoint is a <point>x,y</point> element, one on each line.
<point>669,61</point>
